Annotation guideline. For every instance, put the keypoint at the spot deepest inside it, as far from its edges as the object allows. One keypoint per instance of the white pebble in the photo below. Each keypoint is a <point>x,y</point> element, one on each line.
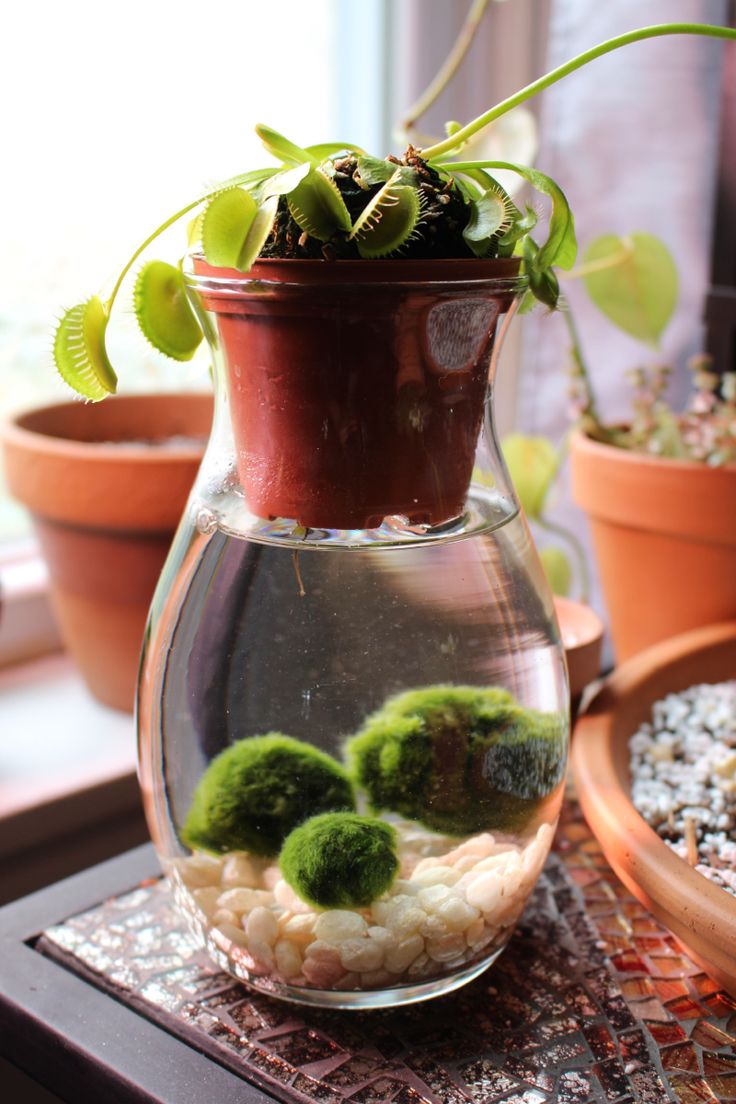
<point>398,957</point>
<point>300,927</point>
<point>457,914</point>
<point>238,871</point>
<point>288,958</point>
<point>234,934</point>
<point>337,925</point>
<point>433,897</point>
<point>262,926</point>
<point>225,916</point>
<point>243,900</point>
<point>207,899</point>
<point>436,875</point>
<point>199,870</point>
<point>270,877</point>
<point>446,947</point>
<point>484,892</point>
<point>374,979</point>
<point>361,955</point>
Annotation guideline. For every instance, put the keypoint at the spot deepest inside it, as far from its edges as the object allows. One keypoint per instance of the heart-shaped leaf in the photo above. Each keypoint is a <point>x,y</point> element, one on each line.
<point>317,206</point>
<point>638,290</point>
<point>557,568</point>
<point>163,311</point>
<point>79,351</point>
<point>533,464</point>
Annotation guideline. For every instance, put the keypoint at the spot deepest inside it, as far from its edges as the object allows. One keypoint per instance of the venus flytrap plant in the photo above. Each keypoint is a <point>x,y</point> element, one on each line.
<point>334,201</point>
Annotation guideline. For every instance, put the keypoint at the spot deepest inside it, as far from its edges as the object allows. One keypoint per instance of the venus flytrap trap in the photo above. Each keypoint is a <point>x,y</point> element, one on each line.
<point>332,200</point>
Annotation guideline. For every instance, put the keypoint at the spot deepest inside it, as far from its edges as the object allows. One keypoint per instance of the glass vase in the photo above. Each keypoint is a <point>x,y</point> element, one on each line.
<point>352,706</point>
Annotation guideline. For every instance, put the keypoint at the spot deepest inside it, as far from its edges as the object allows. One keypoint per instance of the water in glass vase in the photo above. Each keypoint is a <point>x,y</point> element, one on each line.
<point>353,746</point>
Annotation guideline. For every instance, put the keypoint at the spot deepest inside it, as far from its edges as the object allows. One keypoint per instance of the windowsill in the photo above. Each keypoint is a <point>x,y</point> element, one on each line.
<point>68,791</point>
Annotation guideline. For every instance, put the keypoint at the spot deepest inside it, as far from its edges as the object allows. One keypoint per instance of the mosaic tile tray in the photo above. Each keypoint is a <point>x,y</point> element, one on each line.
<point>593,1001</point>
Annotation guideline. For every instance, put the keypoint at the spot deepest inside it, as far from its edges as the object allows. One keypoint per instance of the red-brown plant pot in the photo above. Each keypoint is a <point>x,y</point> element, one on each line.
<point>665,540</point>
<point>106,486</point>
<point>357,389</point>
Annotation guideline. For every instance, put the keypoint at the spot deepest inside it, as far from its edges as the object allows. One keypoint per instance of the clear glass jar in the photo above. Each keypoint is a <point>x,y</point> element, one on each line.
<point>352,710</point>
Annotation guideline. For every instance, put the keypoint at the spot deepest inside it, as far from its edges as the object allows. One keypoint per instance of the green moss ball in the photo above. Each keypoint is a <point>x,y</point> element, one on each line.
<point>340,860</point>
<point>254,793</point>
<point>459,759</point>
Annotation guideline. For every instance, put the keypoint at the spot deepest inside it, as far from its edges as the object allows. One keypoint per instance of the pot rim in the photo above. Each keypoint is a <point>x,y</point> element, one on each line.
<point>581,441</point>
<point>497,274</point>
<point>20,433</point>
<point>599,760</point>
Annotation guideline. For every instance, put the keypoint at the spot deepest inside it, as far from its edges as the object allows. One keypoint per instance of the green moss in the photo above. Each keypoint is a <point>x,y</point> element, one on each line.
<point>459,759</point>
<point>340,860</point>
<point>256,791</point>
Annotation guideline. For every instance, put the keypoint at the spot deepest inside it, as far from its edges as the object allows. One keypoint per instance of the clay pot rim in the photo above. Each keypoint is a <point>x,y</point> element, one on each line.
<point>18,433</point>
<point>501,273</point>
<point>701,915</point>
<point>583,443</point>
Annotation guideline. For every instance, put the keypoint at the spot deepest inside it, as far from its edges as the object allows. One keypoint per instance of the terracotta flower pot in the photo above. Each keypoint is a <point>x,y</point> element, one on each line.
<point>582,632</point>
<point>357,389</point>
<point>106,486</point>
<point>665,540</point>
<point>700,914</point>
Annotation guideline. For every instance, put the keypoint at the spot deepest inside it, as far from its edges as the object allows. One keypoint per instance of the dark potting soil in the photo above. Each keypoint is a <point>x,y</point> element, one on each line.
<point>439,233</point>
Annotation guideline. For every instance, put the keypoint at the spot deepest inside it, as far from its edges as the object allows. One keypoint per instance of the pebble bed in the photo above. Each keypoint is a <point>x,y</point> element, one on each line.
<point>451,905</point>
<point>683,770</point>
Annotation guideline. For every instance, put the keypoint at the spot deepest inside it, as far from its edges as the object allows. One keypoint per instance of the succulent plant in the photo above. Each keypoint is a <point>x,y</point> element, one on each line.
<point>333,200</point>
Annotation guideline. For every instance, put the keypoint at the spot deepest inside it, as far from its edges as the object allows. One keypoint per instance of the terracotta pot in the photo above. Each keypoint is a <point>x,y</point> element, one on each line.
<point>357,389</point>
<point>700,914</point>
<point>582,632</point>
<point>106,486</point>
<point>665,540</point>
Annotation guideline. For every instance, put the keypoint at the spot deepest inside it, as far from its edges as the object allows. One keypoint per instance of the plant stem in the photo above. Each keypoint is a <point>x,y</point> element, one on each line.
<point>561,71</point>
<point>581,368</point>
<point>449,67</point>
<point>165,226</point>
<point>578,551</point>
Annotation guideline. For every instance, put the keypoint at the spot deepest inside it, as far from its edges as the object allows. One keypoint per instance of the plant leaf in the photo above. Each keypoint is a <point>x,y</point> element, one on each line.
<point>533,464</point>
<point>557,568</point>
<point>163,311</point>
<point>282,183</point>
<point>260,228</point>
<point>560,247</point>
<point>323,151</point>
<point>317,206</point>
<point>638,294</point>
<point>282,148</point>
<point>543,282</point>
<point>372,170</point>
<point>490,213</point>
<point>227,220</point>
<point>388,221</point>
<point>79,350</point>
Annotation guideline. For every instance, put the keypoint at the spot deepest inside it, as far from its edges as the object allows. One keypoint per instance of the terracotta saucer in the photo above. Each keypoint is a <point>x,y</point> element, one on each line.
<point>701,915</point>
<point>582,636</point>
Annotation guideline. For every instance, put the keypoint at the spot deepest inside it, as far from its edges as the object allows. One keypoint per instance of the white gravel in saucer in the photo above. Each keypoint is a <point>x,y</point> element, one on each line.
<point>683,771</point>
<point>450,903</point>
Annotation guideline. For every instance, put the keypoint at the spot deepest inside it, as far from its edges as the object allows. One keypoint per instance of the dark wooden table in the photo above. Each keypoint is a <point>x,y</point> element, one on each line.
<point>105,999</point>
